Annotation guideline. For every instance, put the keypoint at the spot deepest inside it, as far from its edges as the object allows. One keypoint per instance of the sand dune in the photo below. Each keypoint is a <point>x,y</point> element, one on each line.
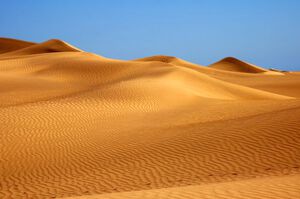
<point>75,124</point>
<point>233,64</point>
<point>7,45</point>
<point>172,60</point>
<point>270,187</point>
<point>53,45</point>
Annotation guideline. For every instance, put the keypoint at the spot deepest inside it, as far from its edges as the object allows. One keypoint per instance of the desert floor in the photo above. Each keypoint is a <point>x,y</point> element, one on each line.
<point>76,124</point>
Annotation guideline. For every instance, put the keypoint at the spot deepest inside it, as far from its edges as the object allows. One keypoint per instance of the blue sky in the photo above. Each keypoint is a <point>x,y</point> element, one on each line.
<point>264,32</point>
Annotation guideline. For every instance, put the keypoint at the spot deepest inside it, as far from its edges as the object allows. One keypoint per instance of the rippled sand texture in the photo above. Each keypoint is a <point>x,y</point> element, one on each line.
<point>75,124</point>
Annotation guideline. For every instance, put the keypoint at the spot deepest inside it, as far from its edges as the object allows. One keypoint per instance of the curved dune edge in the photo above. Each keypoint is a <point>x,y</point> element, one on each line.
<point>53,45</point>
<point>235,65</point>
<point>8,45</point>
<point>73,123</point>
<point>166,59</point>
<point>238,69</point>
<point>93,70</point>
<point>282,187</point>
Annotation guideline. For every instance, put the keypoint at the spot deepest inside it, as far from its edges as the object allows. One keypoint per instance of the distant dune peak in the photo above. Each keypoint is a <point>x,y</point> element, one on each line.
<point>59,46</point>
<point>161,58</point>
<point>171,60</point>
<point>236,65</point>
<point>49,46</point>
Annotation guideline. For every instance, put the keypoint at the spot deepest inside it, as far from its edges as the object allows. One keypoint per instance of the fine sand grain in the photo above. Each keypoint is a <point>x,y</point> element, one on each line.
<point>75,124</point>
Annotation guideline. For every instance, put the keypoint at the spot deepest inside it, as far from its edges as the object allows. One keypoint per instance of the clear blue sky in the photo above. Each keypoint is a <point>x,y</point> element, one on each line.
<point>264,32</point>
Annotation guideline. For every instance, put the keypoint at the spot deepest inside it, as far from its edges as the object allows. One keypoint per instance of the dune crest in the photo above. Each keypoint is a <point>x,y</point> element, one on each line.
<point>76,124</point>
<point>167,59</point>
<point>8,45</point>
<point>236,65</point>
<point>50,46</point>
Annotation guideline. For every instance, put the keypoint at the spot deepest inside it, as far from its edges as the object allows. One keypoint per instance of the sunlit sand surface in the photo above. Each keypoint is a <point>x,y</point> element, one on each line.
<point>76,124</point>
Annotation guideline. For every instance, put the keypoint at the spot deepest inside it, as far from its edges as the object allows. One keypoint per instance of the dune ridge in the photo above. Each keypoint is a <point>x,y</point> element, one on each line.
<point>236,65</point>
<point>53,45</point>
<point>76,124</point>
<point>7,44</point>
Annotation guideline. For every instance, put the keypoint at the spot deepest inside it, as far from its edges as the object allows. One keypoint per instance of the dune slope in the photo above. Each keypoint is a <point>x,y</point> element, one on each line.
<point>270,187</point>
<point>53,45</point>
<point>233,64</point>
<point>75,124</point>
<point>7,45</point>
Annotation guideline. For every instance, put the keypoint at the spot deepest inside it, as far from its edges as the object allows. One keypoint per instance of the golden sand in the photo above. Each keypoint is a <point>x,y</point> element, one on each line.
<point>75,124</point>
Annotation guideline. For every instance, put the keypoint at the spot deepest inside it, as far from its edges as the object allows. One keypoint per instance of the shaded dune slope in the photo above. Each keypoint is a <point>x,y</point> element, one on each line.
<point>7,45</point>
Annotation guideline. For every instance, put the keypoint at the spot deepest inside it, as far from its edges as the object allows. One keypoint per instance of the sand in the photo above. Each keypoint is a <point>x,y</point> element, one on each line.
<point>76,124</point>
